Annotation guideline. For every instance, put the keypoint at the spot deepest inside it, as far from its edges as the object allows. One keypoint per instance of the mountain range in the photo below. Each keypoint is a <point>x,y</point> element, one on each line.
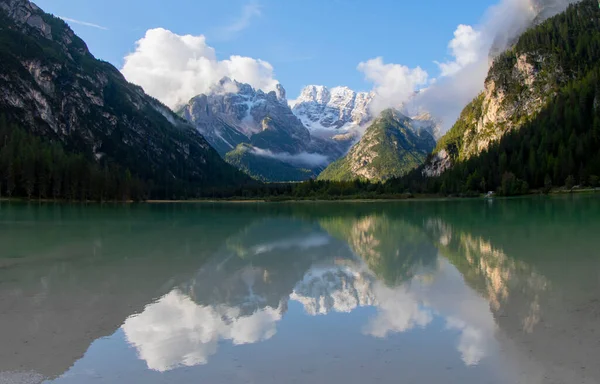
<point>259,133</point>
<point>72,127</point>
<point>60,99</point>
<point>272,139</point>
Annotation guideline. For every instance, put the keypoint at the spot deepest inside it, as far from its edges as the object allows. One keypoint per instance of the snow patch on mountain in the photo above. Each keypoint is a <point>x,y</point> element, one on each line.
<point>343,113</point>
<point>338,109</point>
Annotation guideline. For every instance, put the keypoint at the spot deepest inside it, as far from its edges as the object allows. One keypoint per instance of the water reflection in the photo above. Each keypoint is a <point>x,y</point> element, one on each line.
<point>175,331</point>
<point>448,291</point>
<point>339,265</point>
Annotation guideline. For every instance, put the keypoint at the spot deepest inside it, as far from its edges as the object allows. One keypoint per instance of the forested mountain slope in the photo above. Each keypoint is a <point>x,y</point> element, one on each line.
<point>391,147</point>
<point>538,121</point>
<point>73,127</point>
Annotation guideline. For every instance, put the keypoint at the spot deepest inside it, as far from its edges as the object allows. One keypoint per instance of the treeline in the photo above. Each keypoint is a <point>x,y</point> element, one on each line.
<point>312,189</point>
<point>32,167</point>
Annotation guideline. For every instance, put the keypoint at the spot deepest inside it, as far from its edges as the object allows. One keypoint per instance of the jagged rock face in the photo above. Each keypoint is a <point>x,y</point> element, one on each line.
<point>52,86</point>
<point>258,133</point>
<point>25,12</point>
<point>439,163</point>
<point>341,114</point>
<point>235,113</point>
<point>391,147</point>
<point>339,108</point>
<point>502,111</point>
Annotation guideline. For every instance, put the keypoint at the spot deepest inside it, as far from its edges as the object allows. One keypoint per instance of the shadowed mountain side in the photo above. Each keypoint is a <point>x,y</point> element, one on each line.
<point>54,89</point>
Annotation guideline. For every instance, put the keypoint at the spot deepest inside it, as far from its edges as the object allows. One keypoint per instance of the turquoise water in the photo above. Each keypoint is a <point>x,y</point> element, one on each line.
<point>503,291</point>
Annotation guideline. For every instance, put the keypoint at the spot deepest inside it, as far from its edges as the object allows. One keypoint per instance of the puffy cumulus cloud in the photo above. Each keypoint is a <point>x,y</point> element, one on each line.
<point>174,68</point>
<point>175,331</point>
<point>393,84</point>
<point>465,48</point>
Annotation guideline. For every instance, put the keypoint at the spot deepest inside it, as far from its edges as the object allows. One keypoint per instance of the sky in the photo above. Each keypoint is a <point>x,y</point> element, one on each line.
<point>307,42</point>
<point>178,49</point>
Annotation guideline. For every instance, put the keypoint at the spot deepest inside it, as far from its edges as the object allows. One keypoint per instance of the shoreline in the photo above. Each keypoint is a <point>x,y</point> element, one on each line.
<point>350,199</point>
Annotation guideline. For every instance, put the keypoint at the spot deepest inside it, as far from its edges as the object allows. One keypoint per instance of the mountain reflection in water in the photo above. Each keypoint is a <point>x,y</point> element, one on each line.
<point>511,288</point>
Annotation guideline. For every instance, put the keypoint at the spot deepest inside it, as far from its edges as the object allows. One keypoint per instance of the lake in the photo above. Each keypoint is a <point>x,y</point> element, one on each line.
<point>461,291</point>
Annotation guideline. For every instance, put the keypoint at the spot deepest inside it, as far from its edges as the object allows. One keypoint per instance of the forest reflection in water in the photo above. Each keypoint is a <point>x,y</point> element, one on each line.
<point>505,291</point>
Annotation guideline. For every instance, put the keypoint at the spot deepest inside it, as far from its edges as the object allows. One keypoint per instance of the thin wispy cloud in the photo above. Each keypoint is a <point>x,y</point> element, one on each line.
<point>84,23</point>
<point>250,11</point>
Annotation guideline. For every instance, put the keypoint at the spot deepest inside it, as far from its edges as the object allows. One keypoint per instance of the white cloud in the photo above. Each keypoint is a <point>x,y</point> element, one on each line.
<point>300,159</point>
<point>398,311</point>
<point>84,23</point>
<point>304,243</point>
<point>465,48</point>
<point>394,84</point>
<point>174,68</point>
<point>175,331</point>
<point>249,12</point>
<point>472,341</point>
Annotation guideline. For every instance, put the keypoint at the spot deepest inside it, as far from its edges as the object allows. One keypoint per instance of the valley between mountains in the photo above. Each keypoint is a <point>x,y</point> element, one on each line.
<point>72,127</point>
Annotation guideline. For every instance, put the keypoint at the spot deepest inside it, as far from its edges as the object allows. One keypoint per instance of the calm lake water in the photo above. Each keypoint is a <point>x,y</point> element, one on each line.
<point>503,291</point>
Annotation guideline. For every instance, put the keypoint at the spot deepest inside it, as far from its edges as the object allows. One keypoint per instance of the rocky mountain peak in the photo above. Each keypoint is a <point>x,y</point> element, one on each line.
<point>280,92</point>
<point>54,89</point>
<point>233,113</point>
<point>340,108</point>
<point>29,18</point>
<point>25,12</point>
<point>228,86</point>
<point>431,124</point>
<point>314,93</point>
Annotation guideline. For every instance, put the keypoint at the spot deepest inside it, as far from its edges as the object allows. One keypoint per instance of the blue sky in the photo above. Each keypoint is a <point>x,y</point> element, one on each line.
<point>306,42</point>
